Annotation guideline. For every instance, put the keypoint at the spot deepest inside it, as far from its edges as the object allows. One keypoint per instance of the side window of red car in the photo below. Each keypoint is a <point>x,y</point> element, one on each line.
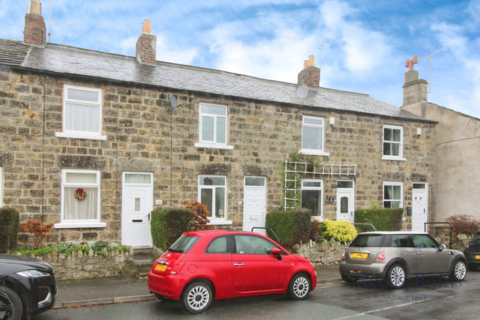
<point>246,244</point>
<point>218,245</point>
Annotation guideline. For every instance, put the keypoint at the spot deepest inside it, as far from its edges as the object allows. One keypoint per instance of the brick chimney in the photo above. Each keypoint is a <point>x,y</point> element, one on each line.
<point>310,75</point>
<point>414,89</point>
<point>147,44</point>
<point>35,32</point>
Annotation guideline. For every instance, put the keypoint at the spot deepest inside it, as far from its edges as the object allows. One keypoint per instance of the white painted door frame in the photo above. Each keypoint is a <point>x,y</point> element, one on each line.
<point>254,209</point>
<point>419,207</point>
<point>350,194</point>
<point>136,230</point>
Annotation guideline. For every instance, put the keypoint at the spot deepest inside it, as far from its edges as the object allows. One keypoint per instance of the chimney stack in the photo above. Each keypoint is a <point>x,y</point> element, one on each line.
<point>414,89</point>
<point>147,45</point>
<point>35,32</point>
<point>310,75</point>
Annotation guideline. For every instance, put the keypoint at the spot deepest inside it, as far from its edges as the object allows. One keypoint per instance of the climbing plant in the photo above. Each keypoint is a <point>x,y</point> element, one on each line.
<point>292,187</point>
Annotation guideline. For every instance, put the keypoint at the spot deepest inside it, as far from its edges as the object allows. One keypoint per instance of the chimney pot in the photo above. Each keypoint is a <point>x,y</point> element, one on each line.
<point>305,64</point>
<point>35,6</point>
<point>147,26</point>
<point>311,61</point>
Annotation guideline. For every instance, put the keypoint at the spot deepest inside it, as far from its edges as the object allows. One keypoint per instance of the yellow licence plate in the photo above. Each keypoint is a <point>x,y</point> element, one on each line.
<point>160,267</point>
<point>359,255</point>
<point>477,257</point>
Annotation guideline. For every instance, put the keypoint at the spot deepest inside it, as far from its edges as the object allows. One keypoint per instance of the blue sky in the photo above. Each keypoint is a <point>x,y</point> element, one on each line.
<point>365,43</point>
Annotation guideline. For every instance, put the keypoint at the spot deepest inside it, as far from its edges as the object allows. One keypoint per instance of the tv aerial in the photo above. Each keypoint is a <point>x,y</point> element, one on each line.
<point>430,57</point>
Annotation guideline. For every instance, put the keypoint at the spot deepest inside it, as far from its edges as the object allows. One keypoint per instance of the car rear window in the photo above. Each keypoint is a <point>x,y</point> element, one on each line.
<point>371,240</point>
<point>183,244</point>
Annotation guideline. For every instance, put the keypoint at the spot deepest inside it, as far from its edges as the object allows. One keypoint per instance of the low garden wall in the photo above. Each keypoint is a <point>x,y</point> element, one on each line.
<point>322,252</point>
<point>87,265</point>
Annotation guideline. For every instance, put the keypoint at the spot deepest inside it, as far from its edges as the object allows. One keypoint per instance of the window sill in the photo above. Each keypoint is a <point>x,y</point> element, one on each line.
<point>214,146</point>
<point>65,225</point>
<point>220,222</point>
<point>318,218</point>
<point>79,136</point>
<point>314,152</point>
<point>393,158</point>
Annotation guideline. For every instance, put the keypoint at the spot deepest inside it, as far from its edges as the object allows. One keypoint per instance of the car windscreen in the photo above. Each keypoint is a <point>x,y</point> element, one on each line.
<point>370,240</point>
<point>476,238</point>
<point>183,244</point>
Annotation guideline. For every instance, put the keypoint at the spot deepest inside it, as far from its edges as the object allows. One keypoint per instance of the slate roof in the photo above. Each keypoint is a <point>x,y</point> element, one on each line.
<point>12,52</point>
<point>64,59</point>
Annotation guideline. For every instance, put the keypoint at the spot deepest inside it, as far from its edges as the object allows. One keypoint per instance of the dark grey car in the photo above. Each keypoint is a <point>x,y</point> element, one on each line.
<point>397,256</point>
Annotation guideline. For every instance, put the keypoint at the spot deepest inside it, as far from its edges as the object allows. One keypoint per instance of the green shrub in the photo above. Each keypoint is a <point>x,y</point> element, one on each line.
<point>291,227</point>
<point>338,230</point>
<point>383,219</point>
<point>9,227</point>
<point>168,225</point>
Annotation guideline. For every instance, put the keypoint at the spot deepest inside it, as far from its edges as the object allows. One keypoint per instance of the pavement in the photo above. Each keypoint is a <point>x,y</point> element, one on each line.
<point>112,290</point>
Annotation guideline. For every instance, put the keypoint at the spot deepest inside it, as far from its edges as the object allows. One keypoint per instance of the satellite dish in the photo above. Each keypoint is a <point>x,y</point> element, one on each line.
<point>173,101</point>
<point>302,91</point>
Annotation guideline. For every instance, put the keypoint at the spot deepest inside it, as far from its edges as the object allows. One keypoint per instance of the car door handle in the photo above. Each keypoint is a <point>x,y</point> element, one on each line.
<point>238,264</point>
<point>419,253</point>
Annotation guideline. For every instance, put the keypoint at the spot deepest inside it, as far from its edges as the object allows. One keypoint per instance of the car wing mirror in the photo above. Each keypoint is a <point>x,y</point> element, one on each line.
<point>277,252</point>
<point>442,247</point>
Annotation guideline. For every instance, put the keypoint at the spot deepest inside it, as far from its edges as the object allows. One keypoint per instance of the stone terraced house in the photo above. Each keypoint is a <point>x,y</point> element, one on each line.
<point>92,142</point>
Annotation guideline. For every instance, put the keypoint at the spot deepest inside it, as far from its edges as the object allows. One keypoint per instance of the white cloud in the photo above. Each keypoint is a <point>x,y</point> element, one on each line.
<point>167,52</point>
<point>364,49</point>
<point>277,55</point>
<point>461,50</point>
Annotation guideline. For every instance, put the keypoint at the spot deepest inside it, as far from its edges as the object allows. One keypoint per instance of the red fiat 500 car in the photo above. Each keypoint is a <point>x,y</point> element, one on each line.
<point>203,266</point>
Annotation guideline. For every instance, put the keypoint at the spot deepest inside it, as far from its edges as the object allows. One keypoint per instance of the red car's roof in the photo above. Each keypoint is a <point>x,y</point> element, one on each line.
<point>215,233</point>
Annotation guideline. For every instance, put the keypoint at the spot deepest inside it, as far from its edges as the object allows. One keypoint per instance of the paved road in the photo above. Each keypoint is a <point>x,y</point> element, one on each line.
<point>337,300</point>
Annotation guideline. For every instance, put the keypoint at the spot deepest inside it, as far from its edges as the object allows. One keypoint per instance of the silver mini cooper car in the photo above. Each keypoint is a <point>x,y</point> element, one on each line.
<point>398,256</point>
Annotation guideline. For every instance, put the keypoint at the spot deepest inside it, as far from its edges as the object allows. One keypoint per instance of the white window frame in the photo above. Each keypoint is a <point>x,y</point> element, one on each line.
<point>318,152</point>
<point>1,186</point>
<point>393,183</point>
<point>390,157</point>
<point>80,223</point>
<point>214,220</point>
<point>214,143</point>
<point>322,189</point>
<point>81,134</point>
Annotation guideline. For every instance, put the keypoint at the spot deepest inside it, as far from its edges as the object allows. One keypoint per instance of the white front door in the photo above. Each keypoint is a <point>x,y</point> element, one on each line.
<point>419,206</point>
<point>346,201</point>
<point>137,205</point>
<point>254,203</point>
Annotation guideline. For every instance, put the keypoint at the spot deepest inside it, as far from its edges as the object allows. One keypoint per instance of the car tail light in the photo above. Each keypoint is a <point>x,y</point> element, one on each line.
<point>381,256</point>
<point>343,255</point>
<point>177,267</point>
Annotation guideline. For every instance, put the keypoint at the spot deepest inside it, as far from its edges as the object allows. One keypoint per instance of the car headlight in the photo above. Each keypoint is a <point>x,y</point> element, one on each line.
<point>33,274</point>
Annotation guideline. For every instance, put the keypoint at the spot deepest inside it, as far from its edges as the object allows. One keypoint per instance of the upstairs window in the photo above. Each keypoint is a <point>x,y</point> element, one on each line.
<point>213,124</point>
<point>82,112</point>
<point>313,132</point>
<point>392,142</point>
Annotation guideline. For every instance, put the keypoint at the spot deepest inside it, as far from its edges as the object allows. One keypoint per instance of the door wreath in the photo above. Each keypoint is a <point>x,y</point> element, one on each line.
<point>80,194</point>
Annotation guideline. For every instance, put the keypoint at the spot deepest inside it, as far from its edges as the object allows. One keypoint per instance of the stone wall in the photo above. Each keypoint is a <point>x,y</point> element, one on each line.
<point>143,135</point>
<point>323,252</point>
<point>80,265</point>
